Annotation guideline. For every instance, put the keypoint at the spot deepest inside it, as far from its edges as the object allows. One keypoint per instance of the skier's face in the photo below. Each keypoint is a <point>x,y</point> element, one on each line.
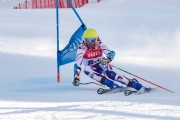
<point>90,42</point>
<point>90,45</point>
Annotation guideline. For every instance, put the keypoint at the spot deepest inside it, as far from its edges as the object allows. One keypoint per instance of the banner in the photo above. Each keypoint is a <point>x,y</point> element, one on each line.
<point>68,54</point>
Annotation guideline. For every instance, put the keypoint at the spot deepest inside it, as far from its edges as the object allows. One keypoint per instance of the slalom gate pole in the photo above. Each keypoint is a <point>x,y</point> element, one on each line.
<point>142,78</point>
<point>75,12</point>
<point>57,28</point>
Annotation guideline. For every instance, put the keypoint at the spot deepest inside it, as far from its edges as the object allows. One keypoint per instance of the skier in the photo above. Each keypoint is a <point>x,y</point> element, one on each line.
<point>90,53</point>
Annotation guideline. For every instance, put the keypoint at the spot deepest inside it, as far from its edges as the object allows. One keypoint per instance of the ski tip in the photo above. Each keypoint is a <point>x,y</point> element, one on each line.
<point>100,91</point>
<point>127,92</point>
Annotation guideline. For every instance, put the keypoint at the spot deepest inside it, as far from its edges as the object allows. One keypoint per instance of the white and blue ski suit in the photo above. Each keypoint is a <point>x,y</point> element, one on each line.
<point>99,72</point>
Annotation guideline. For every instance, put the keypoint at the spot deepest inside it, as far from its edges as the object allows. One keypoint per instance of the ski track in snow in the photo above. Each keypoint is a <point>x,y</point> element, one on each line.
<point>88,110</point>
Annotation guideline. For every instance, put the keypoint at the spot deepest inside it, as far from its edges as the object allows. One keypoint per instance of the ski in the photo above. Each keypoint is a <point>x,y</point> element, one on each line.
<point>114,90</point>
<point>130,92</point>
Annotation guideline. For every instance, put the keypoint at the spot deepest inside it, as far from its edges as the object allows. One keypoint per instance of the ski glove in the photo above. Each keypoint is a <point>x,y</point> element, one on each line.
<point>103,61</point>
<point>111,55</point>
<point>76,81</point>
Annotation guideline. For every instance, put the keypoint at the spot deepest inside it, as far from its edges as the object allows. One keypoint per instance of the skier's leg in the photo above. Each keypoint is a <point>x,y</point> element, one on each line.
<point>92,73</point>
<point>109,83</point>
<point>97,75</point>
<point>128,82</point>
<point>114,76</point>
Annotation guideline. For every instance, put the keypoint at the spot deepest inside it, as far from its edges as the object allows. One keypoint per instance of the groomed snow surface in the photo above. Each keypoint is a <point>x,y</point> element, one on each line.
<point>144,34</point>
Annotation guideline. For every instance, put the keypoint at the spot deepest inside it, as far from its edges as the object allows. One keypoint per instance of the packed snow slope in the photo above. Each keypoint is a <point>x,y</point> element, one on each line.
<point>144,34</point>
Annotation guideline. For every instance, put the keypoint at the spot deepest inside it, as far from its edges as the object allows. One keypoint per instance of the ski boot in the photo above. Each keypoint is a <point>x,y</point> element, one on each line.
<point>136,85</point>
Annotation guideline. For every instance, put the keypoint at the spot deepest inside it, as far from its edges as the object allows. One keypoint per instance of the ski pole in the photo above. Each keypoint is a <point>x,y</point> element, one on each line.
<point>91,83</point>
<point>141,78</point>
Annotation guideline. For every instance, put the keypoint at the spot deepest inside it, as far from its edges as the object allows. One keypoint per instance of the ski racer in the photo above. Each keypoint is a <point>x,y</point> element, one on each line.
<point>95,56</point>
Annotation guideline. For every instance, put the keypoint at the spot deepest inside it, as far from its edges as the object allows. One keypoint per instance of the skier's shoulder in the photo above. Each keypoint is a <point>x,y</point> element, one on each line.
<point>102,44</point>
<point>81,47</point>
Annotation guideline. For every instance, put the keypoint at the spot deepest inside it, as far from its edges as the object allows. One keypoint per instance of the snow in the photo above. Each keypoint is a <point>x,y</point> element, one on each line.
<point>89,110</point>
<point>144,34</point>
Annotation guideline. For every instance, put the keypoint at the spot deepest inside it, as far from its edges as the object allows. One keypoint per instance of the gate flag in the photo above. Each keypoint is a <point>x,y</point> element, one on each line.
<point>68,54</point>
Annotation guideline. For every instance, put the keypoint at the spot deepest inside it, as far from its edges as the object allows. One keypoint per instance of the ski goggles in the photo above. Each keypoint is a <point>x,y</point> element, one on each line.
<point>87,40</point>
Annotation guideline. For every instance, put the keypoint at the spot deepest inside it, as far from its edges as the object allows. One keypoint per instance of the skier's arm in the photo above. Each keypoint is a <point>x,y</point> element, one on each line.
<point>109,53</point>
<point>77,66</point>
<point>79,59</point>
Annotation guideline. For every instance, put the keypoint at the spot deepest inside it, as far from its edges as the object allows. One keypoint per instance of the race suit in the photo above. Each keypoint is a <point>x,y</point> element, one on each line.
<point>95,70</point>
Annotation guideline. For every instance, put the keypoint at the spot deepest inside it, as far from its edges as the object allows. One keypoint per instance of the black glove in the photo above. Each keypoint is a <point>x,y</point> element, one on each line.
<point>103,61</point>
<point>76,81</point>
